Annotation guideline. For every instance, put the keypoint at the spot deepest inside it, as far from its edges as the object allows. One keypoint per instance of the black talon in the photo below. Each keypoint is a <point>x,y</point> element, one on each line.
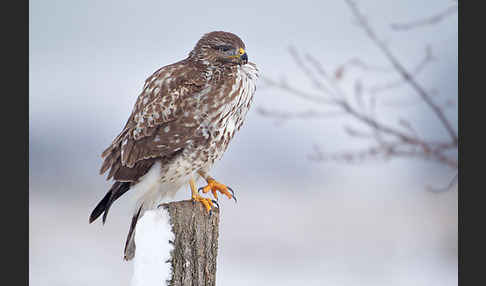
<point>232,193</point>
<point>215,202</point>
<point>200,189</point>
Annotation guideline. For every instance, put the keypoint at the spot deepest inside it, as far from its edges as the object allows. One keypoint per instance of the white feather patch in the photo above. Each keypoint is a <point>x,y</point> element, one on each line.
<point>150,191</point>
<point>148,188</point>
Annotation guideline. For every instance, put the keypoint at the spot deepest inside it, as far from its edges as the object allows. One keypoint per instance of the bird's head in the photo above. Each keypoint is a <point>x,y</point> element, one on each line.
<point>220,48</point>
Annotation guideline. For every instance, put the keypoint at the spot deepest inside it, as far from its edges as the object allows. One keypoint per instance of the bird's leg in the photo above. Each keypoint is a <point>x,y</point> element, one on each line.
<point>207,203</point>
<point>216,187</point>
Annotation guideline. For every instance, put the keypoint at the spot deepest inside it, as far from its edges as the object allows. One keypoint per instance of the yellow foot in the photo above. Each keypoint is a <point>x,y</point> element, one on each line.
<point>207,203</point>
<point>214,187</point>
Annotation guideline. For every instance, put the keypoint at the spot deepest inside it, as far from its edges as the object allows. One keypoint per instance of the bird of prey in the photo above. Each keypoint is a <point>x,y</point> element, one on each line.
<point>182,122</point>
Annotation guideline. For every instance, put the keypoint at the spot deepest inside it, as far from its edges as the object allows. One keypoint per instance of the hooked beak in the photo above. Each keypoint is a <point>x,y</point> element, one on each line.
<point>244,59</point>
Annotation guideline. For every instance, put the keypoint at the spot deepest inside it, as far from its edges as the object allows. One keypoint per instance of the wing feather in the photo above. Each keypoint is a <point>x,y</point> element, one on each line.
<point>153,129</point>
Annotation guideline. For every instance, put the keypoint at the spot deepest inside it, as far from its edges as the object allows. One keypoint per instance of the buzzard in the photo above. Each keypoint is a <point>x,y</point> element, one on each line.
<point>181,123</point>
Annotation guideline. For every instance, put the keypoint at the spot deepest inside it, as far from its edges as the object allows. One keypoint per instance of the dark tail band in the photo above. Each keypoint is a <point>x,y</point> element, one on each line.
<point>116,191</point>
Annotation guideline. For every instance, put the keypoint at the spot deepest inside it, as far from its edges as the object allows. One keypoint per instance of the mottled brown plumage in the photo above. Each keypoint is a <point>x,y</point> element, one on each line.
<point>182,121</point>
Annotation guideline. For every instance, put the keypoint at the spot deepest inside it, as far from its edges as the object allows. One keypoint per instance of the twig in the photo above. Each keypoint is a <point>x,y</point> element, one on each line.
<point>285,86</point>
<point>431,20</point>
<point>402,70</point>
<point>356,62</point>
<point>428,58</point>
<point>388,141</point>
<point>307,114</point>
<point>446,188</point>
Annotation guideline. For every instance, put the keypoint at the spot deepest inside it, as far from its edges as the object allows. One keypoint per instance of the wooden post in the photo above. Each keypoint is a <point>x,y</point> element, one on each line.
<point>193,258</point>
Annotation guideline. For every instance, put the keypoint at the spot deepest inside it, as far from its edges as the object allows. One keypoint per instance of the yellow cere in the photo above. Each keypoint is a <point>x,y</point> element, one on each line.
<point>241,52</point>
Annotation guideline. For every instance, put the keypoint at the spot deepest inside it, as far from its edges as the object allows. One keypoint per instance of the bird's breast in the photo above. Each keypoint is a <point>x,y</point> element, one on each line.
<point>225,106</point>
<point>232,102</point>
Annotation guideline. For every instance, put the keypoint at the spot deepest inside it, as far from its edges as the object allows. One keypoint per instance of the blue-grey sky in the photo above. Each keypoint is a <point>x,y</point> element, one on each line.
<point>89,60</point>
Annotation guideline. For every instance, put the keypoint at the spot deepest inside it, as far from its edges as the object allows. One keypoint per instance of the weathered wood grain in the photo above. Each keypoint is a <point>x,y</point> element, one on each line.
<point>193,258</point>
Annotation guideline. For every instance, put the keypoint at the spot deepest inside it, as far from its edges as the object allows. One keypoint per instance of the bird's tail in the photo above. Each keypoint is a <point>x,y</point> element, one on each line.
<point>116,191</point>
<point>129,251</point>
<point>149,194</point>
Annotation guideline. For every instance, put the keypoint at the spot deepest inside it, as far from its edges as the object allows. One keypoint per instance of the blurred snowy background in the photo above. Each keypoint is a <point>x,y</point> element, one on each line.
<point>297,222</point>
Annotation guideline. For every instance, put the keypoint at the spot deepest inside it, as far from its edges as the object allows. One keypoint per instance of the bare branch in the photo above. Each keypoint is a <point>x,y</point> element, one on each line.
<point>306,114</point>
<point>399,67</point>
<point>384,152</point>
<point>310,75</point>
<point>356,62</point>
<point>405,123</point>
<point>285,86</point>
<point>378,127</point>
<point>428,58</point>
<point>381,127</point>
<point>446,188</point>
<point>431,20</point>
<point>356,133</point>
<point>388,141</point>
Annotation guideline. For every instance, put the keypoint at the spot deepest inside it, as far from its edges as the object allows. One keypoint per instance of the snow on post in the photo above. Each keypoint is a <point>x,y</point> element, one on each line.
<point>176,245</point>
<point>151,263</point>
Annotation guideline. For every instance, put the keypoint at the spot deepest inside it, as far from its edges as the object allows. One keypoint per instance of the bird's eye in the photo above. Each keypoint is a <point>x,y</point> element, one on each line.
<point>223,48</point>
